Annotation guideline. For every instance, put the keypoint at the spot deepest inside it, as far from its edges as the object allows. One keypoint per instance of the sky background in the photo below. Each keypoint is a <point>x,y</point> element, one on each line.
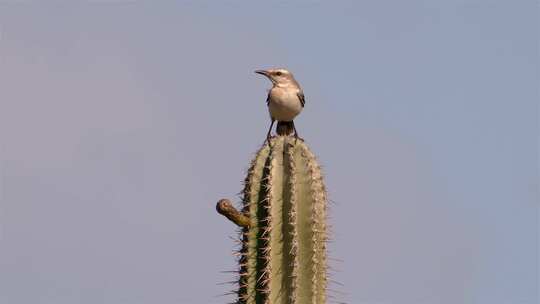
<point>123,122</point>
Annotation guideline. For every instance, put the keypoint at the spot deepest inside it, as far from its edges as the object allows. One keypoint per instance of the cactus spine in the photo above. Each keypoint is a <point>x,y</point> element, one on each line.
<point>283,253</point>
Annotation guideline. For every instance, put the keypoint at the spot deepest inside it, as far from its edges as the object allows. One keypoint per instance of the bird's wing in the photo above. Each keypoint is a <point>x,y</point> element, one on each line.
<point>301,97</point>
<point>268,99</point>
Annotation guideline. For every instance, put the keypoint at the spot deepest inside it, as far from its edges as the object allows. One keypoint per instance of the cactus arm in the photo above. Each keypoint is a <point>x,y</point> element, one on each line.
<point>225,208</point>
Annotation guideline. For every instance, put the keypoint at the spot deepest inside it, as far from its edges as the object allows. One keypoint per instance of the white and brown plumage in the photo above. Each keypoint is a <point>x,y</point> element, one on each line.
<point>285,99</point>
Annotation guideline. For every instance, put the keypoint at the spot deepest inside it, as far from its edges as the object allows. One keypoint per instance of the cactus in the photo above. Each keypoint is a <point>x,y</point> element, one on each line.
<point>283,227</point>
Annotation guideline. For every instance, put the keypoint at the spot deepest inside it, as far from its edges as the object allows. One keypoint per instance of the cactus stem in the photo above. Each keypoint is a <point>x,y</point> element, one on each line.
<point>283,230</point>
<point>225,208</point>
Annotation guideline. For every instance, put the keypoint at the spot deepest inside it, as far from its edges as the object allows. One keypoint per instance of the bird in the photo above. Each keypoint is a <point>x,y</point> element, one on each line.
<point>285,99</point>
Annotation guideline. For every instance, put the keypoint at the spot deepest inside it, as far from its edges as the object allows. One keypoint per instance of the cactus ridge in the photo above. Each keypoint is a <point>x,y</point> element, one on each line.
<point>283,253</point>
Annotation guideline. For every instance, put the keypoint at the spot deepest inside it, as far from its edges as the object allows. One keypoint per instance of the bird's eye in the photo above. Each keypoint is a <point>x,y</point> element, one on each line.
<point>278,73</point>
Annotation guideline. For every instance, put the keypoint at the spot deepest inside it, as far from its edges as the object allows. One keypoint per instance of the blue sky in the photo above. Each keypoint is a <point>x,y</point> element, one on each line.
<point>123,122</point>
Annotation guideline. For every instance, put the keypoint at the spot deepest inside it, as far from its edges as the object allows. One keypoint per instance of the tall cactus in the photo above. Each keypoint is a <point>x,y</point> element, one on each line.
<point>284,230</point>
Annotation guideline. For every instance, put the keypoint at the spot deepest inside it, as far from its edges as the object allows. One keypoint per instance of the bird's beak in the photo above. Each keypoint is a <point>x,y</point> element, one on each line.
<point>263,72</point>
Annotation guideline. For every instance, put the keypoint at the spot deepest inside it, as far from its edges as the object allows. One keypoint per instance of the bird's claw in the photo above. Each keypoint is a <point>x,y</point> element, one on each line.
<point>296,137</point>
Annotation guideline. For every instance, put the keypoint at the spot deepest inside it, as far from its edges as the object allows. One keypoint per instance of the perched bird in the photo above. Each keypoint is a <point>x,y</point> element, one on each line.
<point>285,99</point>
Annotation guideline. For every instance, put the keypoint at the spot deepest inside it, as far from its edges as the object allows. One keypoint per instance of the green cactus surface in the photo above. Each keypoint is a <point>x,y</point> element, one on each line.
<point>283,250</point>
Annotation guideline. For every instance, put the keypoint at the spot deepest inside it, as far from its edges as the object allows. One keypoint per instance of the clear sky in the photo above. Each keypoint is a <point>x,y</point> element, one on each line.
<point>123,122</point>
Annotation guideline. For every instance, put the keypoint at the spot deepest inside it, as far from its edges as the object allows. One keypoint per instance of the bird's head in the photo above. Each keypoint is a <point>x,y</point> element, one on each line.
<point>279,77</point>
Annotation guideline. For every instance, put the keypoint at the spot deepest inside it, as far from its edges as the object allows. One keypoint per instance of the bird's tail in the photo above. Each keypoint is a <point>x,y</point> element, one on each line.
<point>285,128</point>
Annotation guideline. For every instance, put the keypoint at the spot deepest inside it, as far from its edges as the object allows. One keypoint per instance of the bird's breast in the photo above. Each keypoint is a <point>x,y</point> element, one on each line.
<point>284,104</point>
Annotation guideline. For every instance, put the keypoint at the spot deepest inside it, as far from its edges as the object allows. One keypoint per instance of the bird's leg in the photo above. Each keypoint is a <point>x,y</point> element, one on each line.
<point>295,132</point>
<point>269,130</point>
